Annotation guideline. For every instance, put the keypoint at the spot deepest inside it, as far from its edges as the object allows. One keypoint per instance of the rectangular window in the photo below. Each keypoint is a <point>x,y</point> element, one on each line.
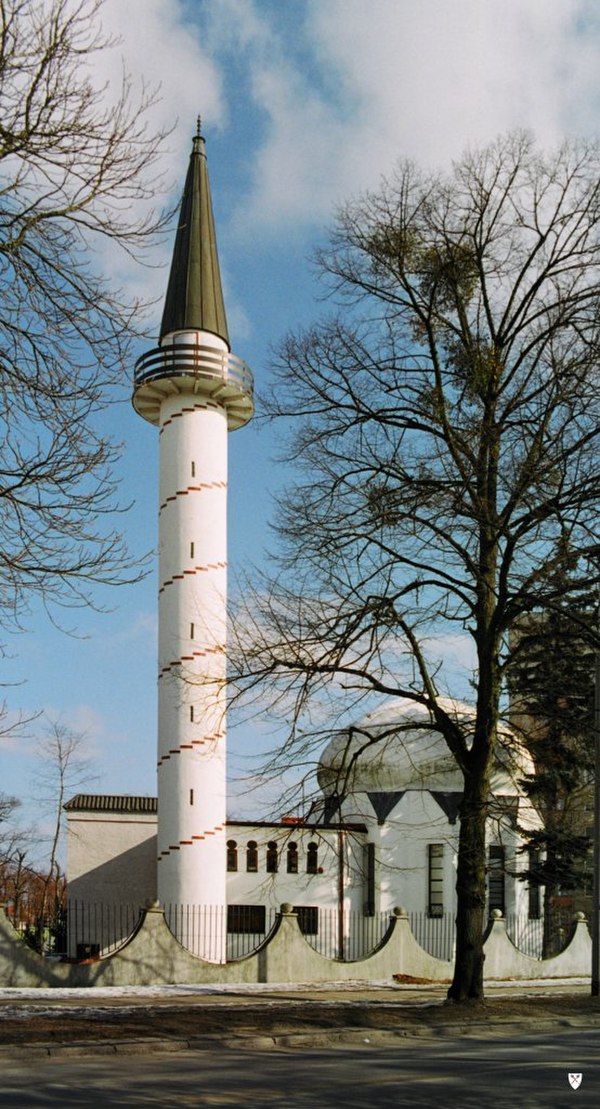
<point>534,906</point>
<point>369,879</point>
<point>436,879</point>
<point>496,879</point>
<point>244,920</point>
<point>308,919</point>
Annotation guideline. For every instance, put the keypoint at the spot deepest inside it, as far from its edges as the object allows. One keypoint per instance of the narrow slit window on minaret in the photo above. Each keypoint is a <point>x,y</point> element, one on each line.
<point>191,631</point>
<point>193,469</point>
<point>191,550</point>
<point>191,797</point>
<point>192,713</point>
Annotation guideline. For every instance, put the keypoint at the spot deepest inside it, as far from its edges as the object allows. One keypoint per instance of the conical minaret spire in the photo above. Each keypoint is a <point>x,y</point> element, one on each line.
<point>194,351</point>
<point>194,389</point>
<point>194,299</point>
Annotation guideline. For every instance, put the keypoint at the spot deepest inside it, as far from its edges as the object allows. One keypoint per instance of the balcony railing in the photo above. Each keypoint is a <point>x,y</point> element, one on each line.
<point>194,360</point>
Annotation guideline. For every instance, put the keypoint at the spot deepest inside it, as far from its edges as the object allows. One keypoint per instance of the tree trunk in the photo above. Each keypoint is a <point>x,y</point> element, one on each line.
<point>467,984</point>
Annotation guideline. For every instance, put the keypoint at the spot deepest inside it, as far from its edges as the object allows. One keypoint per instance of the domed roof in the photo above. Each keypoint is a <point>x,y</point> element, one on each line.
<point>397,747</point>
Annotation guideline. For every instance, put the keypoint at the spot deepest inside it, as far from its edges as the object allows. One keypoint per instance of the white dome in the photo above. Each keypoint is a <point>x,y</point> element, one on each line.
<point>397,747</point>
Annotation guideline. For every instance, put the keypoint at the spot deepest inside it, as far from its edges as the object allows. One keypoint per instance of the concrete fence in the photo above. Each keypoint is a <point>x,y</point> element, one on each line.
<point>152,956</point>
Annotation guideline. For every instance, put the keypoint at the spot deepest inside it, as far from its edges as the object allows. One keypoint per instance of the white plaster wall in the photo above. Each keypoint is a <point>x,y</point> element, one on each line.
<point>401,849</point>
<point>403,860</point>
<point>402,852</point>
<point>111,857</point>
<point>246,888</point>
<point>192,642</point>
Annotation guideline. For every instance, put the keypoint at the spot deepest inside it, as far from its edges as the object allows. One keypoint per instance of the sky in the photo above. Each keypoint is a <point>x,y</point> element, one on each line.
<point>305,104</point>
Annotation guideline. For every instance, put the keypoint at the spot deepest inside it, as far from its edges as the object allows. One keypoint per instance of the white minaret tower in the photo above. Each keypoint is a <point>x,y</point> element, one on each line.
<point>195,390</point>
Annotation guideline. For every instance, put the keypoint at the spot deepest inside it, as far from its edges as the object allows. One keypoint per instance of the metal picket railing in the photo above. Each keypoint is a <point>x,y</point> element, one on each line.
<point>435,934</point>
<point>344,936</point>
<point>540,938</point>
<point>96,928</point>
<point>224,934</point>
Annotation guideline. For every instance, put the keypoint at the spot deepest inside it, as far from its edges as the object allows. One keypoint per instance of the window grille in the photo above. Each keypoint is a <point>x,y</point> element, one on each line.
<point>308,919</point>
<point>246,919</point>
<point>496,892</point>
<point>436,879</point>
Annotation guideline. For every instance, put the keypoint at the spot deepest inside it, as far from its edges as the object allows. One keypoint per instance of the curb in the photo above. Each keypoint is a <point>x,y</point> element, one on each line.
<point>309,1040</point>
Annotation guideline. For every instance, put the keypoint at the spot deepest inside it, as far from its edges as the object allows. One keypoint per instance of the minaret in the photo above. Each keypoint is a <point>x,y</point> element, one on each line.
<point>195,390</point>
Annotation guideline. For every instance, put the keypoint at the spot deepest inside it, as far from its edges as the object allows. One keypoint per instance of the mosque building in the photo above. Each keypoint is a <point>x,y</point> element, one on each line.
<point>385,831</point>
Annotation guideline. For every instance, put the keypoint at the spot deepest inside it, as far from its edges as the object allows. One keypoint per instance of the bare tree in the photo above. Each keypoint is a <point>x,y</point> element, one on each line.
<point>445,426</point>
<point>63,768</point>
<point>77,172</point>
<point>15,867</point>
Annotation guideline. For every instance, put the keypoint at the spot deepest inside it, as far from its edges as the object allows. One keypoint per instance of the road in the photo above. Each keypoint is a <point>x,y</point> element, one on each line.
<point>529,1071</point>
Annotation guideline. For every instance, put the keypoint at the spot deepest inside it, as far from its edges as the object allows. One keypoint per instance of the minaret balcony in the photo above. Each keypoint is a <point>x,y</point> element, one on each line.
<point>190,368</point>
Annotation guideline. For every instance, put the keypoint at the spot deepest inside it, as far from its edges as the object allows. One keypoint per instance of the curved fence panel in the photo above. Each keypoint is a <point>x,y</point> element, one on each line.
<point>97,928</point>
<point>342,935</point>
<point>435,934</point>
<point>202,929</point>
<point>540,938</point>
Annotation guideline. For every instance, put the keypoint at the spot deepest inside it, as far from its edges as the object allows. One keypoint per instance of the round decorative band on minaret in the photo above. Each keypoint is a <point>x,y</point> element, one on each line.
<point>205,371</point>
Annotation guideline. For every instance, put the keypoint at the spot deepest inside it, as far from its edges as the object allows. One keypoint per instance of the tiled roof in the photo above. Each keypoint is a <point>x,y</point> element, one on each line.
<point>111,802</point>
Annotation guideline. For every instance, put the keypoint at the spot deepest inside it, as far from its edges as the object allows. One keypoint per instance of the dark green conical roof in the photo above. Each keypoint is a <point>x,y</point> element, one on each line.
<point>194,298</point>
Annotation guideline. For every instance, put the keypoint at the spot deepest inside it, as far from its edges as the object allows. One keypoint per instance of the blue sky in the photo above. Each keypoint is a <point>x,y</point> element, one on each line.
<point>304,103</point>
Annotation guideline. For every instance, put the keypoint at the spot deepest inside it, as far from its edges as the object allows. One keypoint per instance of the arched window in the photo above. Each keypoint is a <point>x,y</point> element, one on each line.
<point>292,858</point>
<point>312,859</point>
<point>231,855</point>
<point>252,856</point>
<point>272,861</point>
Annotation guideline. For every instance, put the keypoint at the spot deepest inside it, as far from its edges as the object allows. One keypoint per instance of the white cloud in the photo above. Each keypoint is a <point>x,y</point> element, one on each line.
<point>395,78</point>
<point>334,93</point>
<point>160,51</point>
<point>163,48</point>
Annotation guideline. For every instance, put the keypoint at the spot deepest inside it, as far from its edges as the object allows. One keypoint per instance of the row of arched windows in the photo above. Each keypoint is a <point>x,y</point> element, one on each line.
<point>273,857</point>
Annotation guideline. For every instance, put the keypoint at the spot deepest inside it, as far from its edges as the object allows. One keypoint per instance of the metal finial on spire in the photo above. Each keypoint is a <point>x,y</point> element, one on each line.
<point>198,141</point>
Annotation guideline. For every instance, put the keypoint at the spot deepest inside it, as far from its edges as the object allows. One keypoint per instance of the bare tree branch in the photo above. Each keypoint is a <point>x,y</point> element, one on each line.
<point>78,169</point>
<point>445,426</point>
